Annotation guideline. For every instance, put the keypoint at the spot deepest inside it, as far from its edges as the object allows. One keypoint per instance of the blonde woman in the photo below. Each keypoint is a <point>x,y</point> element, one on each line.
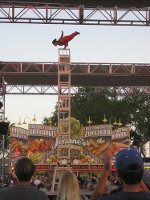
<point>68,187</point>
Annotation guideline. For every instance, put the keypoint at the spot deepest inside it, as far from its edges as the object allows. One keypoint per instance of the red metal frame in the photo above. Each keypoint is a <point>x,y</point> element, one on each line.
<point>2,98</point>
<point>15,71</point>
<point>64,102</point>
<point>50,13</point>
<point>135,69</point>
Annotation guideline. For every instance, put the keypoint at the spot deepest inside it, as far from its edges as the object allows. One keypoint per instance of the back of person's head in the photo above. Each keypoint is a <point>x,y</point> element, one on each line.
<point>24,169</point>
<point>129,164</point>
<point>68,187</point>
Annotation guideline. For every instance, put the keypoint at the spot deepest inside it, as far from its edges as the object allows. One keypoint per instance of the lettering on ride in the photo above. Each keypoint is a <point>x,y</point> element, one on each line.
<point>42,166</point>
<point>96,166</point>
<point>101,130</point>
<point>120,133</point>
<point>19,133</point>
<point>79,166</point>
<point>42,130</point>
<point>72,142</point>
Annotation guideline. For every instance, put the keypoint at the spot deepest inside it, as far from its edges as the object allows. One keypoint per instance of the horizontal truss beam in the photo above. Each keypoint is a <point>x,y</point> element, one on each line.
<point>49,13</point>
<point>53,90</point>
<point>104,69</point>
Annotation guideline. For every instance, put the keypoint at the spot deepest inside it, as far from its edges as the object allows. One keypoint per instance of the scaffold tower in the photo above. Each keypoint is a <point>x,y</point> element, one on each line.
<point>64,111</point>
<point>64,104</point>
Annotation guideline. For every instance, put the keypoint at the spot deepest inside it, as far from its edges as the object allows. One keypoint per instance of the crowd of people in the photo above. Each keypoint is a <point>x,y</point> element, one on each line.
<point>127,183</point>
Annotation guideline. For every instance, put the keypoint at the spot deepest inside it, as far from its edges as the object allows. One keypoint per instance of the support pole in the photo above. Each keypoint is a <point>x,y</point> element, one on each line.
<point>3,162</point>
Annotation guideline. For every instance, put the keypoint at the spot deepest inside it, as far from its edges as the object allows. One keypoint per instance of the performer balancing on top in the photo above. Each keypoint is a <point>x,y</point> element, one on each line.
<point>63,40</point>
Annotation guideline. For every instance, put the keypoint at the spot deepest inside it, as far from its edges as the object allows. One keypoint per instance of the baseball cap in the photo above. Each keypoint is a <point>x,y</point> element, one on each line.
<point>126,157</point>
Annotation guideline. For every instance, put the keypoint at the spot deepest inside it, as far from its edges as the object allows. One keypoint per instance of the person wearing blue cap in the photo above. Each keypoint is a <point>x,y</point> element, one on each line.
<point>129,165</point>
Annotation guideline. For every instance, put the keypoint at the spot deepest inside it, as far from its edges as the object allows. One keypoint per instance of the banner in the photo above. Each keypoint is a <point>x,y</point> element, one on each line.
<point>74,167</point>
<point>120,139</point>
<point>40,142</point>
<point>18,144</point>
<point>97,140</point>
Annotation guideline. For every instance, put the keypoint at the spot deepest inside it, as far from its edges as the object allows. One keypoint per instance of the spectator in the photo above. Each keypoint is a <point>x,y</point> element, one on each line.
<point>79,179</point>
<point>129,165</point>
<point>42,187</point>
<point>37,182</point>
<point>24,170</point>
<point>68,188</point>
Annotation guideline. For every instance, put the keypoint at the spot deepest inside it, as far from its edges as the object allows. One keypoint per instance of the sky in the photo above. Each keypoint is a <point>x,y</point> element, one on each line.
<point>32,43</point>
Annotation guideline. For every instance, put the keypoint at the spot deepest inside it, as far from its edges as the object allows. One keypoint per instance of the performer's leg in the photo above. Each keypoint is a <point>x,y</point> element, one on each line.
<point>70,37</point>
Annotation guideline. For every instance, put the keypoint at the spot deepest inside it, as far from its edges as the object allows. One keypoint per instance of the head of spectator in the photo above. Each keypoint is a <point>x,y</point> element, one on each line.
<point>129,165</point>
<point>24,170</point>
<point>68,188</point>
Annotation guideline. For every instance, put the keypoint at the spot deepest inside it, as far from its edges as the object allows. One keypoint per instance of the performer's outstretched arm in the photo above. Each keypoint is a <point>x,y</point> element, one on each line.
<point>66,45</point>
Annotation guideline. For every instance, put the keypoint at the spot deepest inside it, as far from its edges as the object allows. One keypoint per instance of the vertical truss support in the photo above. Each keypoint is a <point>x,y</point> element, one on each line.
<point>2,98</point>
<point>64,104</point>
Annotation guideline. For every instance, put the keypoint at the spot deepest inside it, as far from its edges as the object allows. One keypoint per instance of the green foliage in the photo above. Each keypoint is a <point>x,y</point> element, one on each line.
<point>134,112</point>
<point>76,129</point>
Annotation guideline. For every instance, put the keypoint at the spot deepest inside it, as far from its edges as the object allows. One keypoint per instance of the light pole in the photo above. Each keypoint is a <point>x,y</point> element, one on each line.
<point>50,122</point>
<point>115,122</point>
<point>27,118</point>
<point>89,122</point>
<point>3,165</point>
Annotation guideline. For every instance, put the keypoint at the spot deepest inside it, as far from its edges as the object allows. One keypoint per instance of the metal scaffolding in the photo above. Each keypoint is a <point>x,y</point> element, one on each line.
<point>64,104</point>
<point>2,98</point>
<point>53,13</point>
<point>42,77</point>
<point>53,90</point>
<point>64,111</point>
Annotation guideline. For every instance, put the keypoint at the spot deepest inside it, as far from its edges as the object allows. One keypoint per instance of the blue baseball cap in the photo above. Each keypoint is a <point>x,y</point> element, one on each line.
<point>126,157</point>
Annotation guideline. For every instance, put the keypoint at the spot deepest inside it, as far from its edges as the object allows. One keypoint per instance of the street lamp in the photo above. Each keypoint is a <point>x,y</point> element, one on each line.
<point>105,120</point>
<point>19,123</point>
<point>34,119</point>
<point>26,119</point>
<point>119,124</point>
<point>89,122</point>
<point>24,122</point>
<point>115,122</point>
<point>50,121</point>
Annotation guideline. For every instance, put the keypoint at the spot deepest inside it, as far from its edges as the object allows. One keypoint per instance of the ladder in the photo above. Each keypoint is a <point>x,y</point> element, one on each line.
<point>64,111</point>
<point>58,169</point>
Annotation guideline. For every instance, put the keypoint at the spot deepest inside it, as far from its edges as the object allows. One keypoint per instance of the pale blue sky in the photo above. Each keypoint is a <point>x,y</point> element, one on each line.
<point>29,42</point>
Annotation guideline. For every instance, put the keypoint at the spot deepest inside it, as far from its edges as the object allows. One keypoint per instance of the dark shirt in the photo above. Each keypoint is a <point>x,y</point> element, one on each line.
<point>22,192</point>
<point>127,196</point>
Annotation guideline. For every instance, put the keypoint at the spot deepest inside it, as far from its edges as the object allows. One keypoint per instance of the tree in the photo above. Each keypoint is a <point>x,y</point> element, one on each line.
<point>139,119</point>
<point>76,128</point>
<point>134,111</point>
